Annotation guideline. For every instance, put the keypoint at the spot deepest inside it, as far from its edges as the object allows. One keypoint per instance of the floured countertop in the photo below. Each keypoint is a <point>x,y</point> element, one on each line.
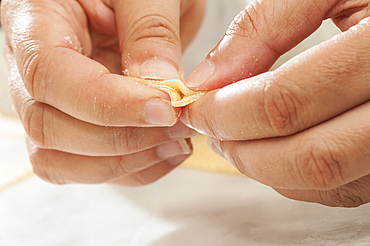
<point>187,207</point>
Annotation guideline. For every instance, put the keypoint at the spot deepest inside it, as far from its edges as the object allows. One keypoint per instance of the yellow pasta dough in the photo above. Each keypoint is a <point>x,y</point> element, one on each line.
<point>180,95</point>
<point>203,158</point>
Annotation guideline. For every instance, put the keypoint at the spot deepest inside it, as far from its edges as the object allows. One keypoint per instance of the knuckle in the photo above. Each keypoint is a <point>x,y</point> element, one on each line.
<point>42,166</point>
<point>126,140</point>
<point>234,157</point>
<point>320,168</point>
<point>155,27</point>
<point>117,168</point>
<point>238,163</point>
<point>29,68</point>
<point>32,114</point>
<point>342,197</point>
<point>105,109</point>
<point>251,23</point>
<point>211,122</point>
<point>34,69</point>
<point>211,126</point>
<point>280,110</point>
<point>244,24</point>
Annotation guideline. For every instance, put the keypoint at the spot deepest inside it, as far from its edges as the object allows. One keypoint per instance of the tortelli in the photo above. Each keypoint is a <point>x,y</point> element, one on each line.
<point>180,95</point>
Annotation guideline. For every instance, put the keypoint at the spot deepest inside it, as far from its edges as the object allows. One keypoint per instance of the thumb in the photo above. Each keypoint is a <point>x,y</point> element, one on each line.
<point>150,38</point>
<point>256,38</point>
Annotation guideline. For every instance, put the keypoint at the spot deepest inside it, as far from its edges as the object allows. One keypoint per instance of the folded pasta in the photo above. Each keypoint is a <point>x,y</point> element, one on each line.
<point>180,95</point>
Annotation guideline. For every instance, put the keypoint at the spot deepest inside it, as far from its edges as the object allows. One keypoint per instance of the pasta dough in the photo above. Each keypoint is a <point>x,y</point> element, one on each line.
<point>180,95</point>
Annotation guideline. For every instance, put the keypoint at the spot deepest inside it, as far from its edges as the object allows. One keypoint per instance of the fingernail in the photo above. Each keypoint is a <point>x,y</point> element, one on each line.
<point>185,116</point>
<point>215,145</point>
<point>159,112</point>
<point>157,69</point>
<point>201,73</point>
<point>181,131</point>
<point>172,149</point>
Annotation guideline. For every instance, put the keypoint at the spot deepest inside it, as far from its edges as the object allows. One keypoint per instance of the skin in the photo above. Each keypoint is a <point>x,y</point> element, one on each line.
<point>86,123</point>
<point>303,129</point>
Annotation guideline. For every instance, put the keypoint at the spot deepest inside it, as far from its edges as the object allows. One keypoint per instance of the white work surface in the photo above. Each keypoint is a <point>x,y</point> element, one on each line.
<point>187,207</point>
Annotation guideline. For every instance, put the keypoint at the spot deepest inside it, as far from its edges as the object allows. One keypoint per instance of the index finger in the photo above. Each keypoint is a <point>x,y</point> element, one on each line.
<point>51,50</point>
<point>261,33</point>
<point>320,84</point>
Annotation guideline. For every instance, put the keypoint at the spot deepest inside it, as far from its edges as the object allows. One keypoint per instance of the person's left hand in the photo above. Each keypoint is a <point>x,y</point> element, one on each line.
<point>303,129</point>
<point>85,122</point>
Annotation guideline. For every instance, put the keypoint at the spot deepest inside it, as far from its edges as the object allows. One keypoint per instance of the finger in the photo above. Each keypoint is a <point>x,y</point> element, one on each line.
<point>52,129</point>
<point>56,73</point>
<point>311,88</point>
<point>149,33</point>
<point>256,38</point>
<point>151,174</point>
<point>324,157</point>
<point>192,14</point>
<point>350,195</point>
<point>101,15</point>
<point>102,23</point>
<point>349,13</point>
<point>61,167</point>
<point>23,23</point>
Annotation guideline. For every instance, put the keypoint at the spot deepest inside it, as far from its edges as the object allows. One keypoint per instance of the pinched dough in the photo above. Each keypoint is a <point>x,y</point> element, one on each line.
<point>180,95</point>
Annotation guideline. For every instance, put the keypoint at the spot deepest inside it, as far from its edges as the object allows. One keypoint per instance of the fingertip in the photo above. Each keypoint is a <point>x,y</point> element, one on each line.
<point>150,38</point>
<point>158,69</point>
<point>201,74</point>
<point>160,112</point>
<point>101,16</point>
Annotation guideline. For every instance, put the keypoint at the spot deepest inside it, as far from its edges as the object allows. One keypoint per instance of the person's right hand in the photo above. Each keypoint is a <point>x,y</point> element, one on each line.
<point>85,122</point>
<point>304,128</point>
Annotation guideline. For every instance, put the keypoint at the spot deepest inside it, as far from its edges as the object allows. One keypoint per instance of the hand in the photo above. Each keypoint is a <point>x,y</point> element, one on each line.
<point>85,122</point>
<point>303,129</point>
